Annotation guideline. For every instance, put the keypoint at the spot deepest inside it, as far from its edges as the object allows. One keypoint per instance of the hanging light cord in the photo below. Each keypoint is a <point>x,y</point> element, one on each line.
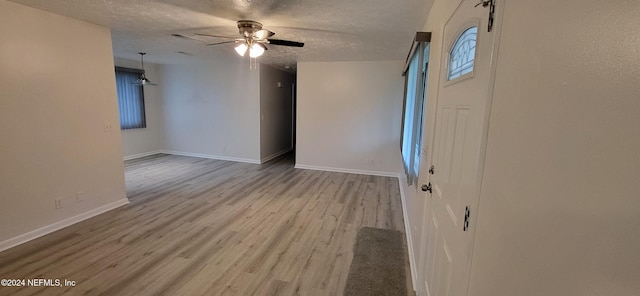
<point>142,59</point>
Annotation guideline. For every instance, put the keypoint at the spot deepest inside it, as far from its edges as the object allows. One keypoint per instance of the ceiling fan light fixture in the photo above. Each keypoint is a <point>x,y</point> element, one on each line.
<point>241,49</point>
<point>256,50</point>
<point>253,38</point>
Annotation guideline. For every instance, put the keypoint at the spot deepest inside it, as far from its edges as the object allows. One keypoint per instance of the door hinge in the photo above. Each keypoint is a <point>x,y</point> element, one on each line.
<point>467,213</point>
<point>427,187</point>
<point>492,10</point>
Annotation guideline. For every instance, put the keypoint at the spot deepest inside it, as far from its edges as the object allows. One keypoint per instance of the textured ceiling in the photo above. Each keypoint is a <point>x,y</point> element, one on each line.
<point>332,30</point>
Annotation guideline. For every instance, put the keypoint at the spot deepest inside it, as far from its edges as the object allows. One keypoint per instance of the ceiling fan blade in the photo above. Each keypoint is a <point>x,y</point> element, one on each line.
<point>218,43</point>
<point>186,37</point>
<point>285,43</point>
<point>263,34</point>
<point>216,36</point>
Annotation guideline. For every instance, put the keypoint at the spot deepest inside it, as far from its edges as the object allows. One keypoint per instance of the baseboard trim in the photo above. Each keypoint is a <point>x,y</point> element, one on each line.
<point>210,156</point>
<point>139,155</point>
<point>407,231</point>
<point>270,157</point>
<point>348,171</point>
<point>42,231</point>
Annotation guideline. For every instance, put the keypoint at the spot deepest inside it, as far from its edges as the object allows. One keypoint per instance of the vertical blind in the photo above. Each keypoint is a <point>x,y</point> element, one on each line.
<point>130,99</point>
<point>415,90</point>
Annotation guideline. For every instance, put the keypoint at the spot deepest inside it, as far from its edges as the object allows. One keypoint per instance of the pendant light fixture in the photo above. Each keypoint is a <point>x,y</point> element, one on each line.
<point>142,80</point>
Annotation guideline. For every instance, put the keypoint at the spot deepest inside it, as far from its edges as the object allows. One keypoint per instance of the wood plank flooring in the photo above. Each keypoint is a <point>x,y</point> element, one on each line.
<point>209,227</point>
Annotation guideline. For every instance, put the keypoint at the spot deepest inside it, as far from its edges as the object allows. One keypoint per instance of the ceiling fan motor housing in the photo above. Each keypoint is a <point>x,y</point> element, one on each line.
<point>247,27</point>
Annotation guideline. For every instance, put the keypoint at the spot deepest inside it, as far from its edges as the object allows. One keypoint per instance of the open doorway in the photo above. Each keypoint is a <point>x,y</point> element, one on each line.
<point>293,117</point>
<point>277,113</point>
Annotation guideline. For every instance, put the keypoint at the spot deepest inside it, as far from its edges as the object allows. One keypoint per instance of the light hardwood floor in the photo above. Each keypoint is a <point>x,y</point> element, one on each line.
<point>208,227</point>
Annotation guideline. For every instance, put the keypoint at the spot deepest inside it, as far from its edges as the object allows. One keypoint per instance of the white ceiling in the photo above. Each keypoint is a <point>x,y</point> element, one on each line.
<point>332,30</point>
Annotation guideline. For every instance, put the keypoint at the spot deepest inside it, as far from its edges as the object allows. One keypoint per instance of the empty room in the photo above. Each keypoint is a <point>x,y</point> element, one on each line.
<point>281,147</point>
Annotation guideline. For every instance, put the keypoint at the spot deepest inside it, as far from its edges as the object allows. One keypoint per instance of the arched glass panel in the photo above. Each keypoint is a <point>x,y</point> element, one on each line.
<point>462,54</point>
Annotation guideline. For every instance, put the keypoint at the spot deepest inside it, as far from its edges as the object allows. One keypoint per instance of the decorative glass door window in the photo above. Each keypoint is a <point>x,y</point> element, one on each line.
<point>462,54</point>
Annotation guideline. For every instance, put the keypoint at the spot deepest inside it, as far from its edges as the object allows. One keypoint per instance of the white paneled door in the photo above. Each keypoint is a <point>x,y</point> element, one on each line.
<point>461,120</point>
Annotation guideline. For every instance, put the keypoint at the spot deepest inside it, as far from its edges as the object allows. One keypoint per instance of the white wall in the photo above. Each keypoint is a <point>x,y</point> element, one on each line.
<point>560,197</point>
<point>143,141</point>
<point>275,112</point>
<point>212,109</point>
<point>52,122</point>
<point>348,116</point>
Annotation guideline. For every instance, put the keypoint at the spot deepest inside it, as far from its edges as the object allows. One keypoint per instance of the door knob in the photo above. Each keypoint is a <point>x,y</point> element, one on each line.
<point>427,187</point>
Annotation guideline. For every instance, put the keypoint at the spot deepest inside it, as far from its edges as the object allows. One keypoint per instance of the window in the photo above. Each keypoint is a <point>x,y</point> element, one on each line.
<point>415,91</point>
<point>462,54</point>
<point>130,99</point>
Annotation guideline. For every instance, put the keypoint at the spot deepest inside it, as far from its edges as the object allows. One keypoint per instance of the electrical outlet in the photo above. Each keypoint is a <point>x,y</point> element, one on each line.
<point>108,127</point>
<point>59,203</point>
<point>80,196</point>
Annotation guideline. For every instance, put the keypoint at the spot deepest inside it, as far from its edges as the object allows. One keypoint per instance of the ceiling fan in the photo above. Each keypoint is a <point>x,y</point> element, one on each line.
<point>253,38</point>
